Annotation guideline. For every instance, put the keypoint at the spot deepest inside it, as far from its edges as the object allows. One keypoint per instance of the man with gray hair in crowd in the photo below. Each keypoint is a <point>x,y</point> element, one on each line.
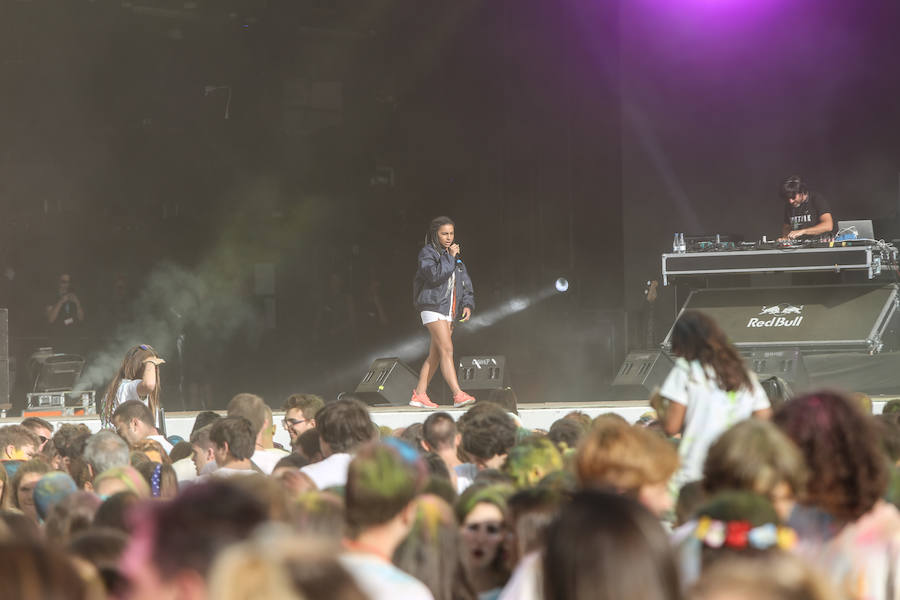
<point>104,450</point>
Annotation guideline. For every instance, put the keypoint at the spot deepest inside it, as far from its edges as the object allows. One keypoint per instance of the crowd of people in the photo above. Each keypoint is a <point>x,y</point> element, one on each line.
<point>721,492</point>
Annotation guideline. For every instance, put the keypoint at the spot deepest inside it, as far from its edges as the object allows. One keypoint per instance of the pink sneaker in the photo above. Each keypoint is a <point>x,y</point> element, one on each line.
<point>421,401</point>
<point>461,399</point>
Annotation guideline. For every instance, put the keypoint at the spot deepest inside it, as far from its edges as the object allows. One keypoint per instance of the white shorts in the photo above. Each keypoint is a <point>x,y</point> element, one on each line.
<point>429,316</point>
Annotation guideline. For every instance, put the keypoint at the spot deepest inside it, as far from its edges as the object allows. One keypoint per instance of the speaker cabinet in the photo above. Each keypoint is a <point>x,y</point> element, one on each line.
<point>786,364</point>
<point>478,373</point>
<point>640,373</point>
<point>387,382</point>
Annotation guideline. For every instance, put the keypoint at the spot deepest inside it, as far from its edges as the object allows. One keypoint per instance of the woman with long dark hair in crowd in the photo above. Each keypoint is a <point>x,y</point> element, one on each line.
<point>137,379</point>
<point>709,390</point>
<point>442,292</point>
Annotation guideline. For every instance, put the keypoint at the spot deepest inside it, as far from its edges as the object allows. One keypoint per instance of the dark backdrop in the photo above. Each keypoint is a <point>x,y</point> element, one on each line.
<point>231,161</point>
<point>243,165</point>
<point>723,100</point>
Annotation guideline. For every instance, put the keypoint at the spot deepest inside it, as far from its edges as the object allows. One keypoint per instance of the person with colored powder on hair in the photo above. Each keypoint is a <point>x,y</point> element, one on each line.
<point>382,483</point>
<point>431,551</point>
<point>531,459</point>
<point>121,479</point>
<point>481,514</point>
<point>50,489</point>
<point>174,543</point>
<point>17,443</point>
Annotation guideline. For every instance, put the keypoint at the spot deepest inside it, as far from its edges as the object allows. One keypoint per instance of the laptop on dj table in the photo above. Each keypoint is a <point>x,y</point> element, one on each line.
<point>864,229</point>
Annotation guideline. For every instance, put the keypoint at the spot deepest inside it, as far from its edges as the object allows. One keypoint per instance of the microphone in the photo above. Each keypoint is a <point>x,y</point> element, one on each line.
<point>458,256</point>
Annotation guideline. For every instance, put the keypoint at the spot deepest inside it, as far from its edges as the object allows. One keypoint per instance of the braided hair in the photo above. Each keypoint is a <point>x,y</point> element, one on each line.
<point>431,235</point>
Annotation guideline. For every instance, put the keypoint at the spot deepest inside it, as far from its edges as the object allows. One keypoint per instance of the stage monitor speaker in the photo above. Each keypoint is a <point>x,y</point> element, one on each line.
<point>784,363</point>
<point>388,381</point>
<point>640,374</point>
<point>477,373</point>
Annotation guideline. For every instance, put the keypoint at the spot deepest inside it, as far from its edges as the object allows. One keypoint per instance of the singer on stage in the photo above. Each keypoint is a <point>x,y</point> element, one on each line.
<point>442,292</point>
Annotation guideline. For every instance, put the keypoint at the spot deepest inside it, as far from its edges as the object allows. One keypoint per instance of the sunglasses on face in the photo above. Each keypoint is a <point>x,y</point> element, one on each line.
<point>293,422</point>
<point>43,439</point>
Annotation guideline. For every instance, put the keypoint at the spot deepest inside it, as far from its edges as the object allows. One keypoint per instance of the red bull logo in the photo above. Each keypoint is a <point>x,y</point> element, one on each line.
<point>781,315</point>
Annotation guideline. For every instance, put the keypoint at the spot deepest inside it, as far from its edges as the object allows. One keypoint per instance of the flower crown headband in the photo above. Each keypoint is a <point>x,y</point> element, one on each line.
<point>739,534</point>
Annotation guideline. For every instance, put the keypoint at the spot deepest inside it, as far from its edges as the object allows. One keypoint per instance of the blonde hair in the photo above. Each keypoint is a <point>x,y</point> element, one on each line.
<point>626,458</point>
<point>776,576</point>
<point>275,563</point>
<point>754,455</point>
<point>147,446</point>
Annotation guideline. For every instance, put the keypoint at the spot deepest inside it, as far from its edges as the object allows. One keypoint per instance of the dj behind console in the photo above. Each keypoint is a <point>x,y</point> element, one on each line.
<point>726,254</point>
<point>823,312</point>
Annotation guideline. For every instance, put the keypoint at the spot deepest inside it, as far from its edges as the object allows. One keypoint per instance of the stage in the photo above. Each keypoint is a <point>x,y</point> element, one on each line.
<point>532,416</point>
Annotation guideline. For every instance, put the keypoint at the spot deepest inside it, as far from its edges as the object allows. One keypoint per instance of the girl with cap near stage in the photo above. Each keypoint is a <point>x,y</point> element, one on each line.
<point>442,292</point>
<point>137,379</point>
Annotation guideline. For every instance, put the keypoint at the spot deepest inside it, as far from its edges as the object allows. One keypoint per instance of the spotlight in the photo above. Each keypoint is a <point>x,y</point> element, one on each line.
<point>562,284</point>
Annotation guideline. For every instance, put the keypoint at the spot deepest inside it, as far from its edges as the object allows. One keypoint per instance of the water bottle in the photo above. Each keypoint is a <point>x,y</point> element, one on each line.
<point>675,245</point>
<point>681,247</point>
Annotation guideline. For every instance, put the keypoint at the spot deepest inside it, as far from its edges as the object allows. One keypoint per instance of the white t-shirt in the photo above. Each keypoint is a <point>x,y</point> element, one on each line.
<point>526,582</point>
<point>162,442</point>
<point>380,579</point>
<point>185,470</point>
<point>710,412</point>
<point>330,472</point>
<point>229,472</point>
<point>267,459</point>
<point>128,391</point>
<point>465,475</point>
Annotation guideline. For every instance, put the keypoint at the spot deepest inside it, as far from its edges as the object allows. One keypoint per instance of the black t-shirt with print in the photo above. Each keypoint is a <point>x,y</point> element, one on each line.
<point>807,214</point>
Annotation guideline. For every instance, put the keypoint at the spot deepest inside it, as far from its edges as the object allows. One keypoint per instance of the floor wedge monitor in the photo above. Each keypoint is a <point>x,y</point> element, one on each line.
<point>388,381</point>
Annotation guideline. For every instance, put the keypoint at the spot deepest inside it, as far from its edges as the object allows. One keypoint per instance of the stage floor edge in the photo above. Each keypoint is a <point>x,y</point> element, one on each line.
<point>533,416</point>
